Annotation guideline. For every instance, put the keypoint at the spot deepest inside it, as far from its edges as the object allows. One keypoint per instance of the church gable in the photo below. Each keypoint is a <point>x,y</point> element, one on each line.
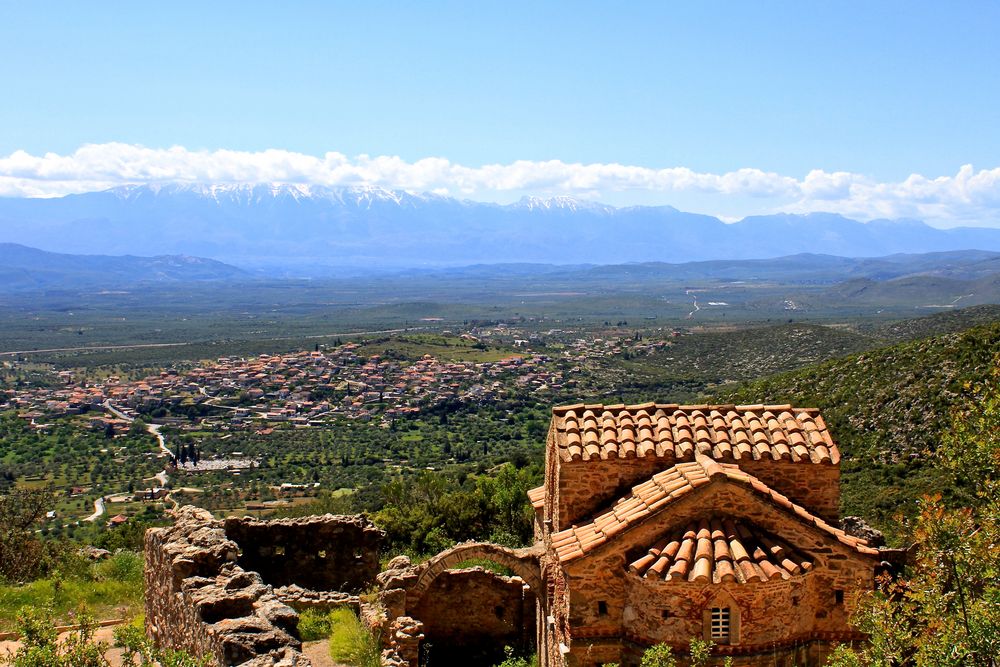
<point>669,497</point>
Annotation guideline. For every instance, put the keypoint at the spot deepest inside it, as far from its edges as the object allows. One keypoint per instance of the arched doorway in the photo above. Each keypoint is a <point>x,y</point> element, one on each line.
<point>470,614</point>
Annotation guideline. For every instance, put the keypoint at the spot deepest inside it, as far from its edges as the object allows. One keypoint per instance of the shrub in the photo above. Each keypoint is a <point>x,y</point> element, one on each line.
<point>124,566</point>
<point>314,625</point>
<point>517,661</point>
<point>660,655</point>
<point>351,642</point>
<point>40,646</point>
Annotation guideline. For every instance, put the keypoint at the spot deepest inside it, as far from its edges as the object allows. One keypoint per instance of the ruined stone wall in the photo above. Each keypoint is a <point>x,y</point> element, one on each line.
<point>199,599</point>
<point>323,553</point>
<point>584,487</point>
<point>470,615</point>
<point>203,596</point>
<point>462,616</point>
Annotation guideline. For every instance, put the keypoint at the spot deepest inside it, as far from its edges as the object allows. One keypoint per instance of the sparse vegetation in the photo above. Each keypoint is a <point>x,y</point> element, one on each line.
<point>945,610</point>
<point>889,409</point>
<point>106,589</point>
<point>351,642</point>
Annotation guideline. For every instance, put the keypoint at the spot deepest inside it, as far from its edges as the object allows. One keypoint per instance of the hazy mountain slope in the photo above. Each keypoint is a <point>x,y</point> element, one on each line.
<point>23,268</point>
<point>281,225</point>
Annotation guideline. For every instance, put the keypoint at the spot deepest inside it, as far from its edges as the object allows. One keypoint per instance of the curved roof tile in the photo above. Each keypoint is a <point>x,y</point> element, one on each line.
<point>717,550</point>
<point>722,432</point>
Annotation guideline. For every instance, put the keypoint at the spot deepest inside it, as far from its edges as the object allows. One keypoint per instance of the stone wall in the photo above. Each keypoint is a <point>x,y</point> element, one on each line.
<point>323,553</point>
<point>200,600</point>
<point>461,616</point>
<point>203,595</point>
<point>470,615</point>
<point>815,486</point>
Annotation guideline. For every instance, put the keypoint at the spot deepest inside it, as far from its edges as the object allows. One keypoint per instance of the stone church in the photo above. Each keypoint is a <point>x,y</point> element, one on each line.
<point>662,523</point>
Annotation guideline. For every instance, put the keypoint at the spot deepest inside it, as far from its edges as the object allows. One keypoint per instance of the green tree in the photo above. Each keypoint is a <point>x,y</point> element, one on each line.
<point>659,655</point>
<point>22,555</point>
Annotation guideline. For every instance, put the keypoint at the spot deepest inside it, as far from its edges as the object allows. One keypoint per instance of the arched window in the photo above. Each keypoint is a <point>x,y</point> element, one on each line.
<point>720,629</point>
<point>721,620</point>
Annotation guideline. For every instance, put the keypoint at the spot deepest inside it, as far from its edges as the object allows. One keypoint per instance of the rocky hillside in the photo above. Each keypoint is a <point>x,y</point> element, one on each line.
<point>888,409</point>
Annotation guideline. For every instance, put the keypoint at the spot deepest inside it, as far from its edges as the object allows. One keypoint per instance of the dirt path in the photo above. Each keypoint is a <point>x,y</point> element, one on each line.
<point>318,653</point>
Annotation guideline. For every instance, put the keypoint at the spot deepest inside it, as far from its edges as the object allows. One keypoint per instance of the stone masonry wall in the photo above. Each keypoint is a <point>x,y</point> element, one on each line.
<point>469,615</point>
<point>814,486</point>
<point>198,598</point>
<point>203,597</point>
<point>323,553</point>
<point>462,616</point>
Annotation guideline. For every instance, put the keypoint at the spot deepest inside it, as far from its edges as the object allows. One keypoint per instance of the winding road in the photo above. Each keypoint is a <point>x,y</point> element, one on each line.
<point>696,306</point>
<point>154,430</point>
<point>99,509</point>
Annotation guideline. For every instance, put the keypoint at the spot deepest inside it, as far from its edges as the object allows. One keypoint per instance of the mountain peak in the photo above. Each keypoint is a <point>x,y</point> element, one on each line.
<point>564,203</point>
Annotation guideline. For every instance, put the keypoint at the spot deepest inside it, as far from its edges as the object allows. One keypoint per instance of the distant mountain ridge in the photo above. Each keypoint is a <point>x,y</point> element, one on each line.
<point>291,225</point>
<point>24,269</point>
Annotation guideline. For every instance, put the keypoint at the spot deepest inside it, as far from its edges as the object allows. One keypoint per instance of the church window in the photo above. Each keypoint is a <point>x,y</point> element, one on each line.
<point>719,630</point>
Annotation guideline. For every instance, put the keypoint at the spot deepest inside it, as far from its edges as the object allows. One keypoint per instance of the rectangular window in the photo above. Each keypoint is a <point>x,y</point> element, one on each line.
<point>720,625</point>
<point>839,596</point>
<point>602,608</point>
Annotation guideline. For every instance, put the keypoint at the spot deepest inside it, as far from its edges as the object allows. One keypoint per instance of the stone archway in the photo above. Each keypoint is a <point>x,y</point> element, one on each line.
<point>469,615</point>
<point>522,562</point>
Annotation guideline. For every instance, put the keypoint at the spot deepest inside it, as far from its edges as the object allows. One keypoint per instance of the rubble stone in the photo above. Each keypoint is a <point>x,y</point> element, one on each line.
<point>202,597</point>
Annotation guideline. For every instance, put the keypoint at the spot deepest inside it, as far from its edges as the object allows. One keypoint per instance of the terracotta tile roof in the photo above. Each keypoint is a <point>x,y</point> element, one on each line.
<point>717,550</point>
<point>662,489</point>
<point>723,432</point>
<point>537,497</point>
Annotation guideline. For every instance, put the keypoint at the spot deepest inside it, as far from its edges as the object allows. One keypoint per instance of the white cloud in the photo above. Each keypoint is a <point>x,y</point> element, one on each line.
<point>968,197</point>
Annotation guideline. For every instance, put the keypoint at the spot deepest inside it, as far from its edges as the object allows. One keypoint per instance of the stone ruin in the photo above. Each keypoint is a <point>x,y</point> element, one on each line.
<point>231,590</point>
<point>432,613</point>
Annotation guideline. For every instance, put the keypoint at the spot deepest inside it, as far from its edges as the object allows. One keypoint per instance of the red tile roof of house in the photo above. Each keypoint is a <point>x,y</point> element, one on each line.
<point>733,432</point>
<point>717,550</point>
<point>663,488</point>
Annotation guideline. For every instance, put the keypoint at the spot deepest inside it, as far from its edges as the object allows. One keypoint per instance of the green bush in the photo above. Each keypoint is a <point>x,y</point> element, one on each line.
<point>124,566</point>
<point>314,625</point>
<point>512,660</point>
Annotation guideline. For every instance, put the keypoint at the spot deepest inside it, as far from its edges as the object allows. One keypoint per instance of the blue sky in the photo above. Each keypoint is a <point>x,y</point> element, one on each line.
<point>879,90</point>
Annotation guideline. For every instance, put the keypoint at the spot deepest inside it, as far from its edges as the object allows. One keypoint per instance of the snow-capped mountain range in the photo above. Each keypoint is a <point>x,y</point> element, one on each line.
<point>288,225</point>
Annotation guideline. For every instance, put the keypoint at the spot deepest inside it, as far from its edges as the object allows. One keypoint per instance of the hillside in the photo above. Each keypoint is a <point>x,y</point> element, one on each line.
<point>24,268</point>
<point>887,408</point>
